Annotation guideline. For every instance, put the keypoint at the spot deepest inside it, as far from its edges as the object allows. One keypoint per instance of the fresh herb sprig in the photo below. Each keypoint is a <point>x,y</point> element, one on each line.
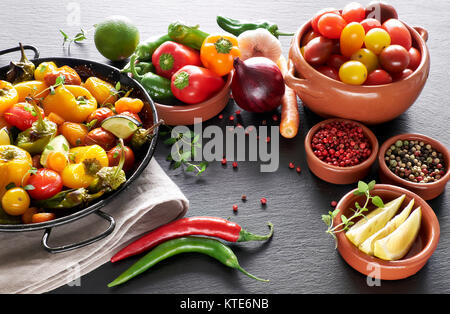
<point>363,189</point>
<point>184,158</point>
<point>80,36</point>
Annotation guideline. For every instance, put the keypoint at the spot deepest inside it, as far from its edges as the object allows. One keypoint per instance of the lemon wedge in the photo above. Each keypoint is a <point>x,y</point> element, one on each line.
<point>397,244</point>
<point>4,137</point>
<point>368,244</point>
<point>359,233</point>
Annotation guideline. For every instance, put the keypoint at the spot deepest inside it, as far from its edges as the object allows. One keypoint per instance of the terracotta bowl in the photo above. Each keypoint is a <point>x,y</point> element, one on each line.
<point>183,114</point>
<point>424,246</point>
<point>334,174</point>
<point>426,190</point>
<point>369,104</point>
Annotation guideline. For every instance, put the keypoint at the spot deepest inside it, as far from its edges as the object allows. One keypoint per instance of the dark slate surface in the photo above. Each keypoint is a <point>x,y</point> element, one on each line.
<point>300,258</point>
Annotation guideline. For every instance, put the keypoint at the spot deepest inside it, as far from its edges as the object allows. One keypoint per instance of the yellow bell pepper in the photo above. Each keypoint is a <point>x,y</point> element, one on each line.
<point>37,89</point>
<point>42,69</point>
<point>15,164</point>
<point>86,161</point>
<point>103,92</point>
<point>8,96</point>
<point>71,102</point>
<point>218,52</point>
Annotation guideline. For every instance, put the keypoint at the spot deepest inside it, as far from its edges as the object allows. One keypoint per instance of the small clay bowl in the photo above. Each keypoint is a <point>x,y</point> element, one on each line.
<point>335,174</point>
<point>184,114</point>
<point>427,191</point>
<point>332,98</point>
<point>423,247</point>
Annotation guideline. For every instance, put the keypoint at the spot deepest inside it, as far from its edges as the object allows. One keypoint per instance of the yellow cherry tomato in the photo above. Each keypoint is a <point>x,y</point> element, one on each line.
<point>352,38</point>
<point>15,201</point>
<point>37,89</point>
<point>376,40</point>
<point>102,91</point>
<point>8,96</point>
<point>366,57</point>
<point>134,105</point>
<point>42,69</point>
<point>353,72</point>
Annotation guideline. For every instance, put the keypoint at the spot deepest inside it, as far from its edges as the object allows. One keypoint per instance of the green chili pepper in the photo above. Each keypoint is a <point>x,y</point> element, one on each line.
<point>143,136</point>
<point>20,71</point>
<point>158,87</point>
<point>141,68</point>
<point>211,247</point>
<point>237,27</point>
<point>144,51</point>
<point>35,139</point>
<point>189,36</point>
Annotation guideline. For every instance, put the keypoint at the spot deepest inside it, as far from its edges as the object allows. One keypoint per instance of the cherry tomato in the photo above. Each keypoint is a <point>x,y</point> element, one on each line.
<point>378,77</point>
<point>100,114</point>
<point>353,72</point>
<point>132,115</point>
<point>42,217</point>
<point>21,115</point>
<point>46,184</point>
<point>75,133</point>
<point>336,61</point>
<point>101,137</point>
<point>329,71</point>
<point>366,57</point>
<point>368,24</point>
<point>15,201</point>
<point>401,75</point>
<point>128,104</point>
<point>27,216</point>
<point>315,19</point>
<point>331,25</point>
<point>414,58</point>
<point>352,38</point>
<point>336,47</point>
<point>394,58</point>
<point>381,11</point>
<point>71,76</point>
<point>308,37</point>
<point>318,50</point>
<point>354,12</point>
<point>398,32</point>
<point>376,40</point>
<point>114,157</point>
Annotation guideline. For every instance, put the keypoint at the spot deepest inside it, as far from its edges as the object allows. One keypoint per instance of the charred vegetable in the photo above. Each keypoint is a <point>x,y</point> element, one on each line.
<point>22,70</point>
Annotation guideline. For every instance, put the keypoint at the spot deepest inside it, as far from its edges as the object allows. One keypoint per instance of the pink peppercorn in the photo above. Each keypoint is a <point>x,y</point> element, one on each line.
<point>263,201</point>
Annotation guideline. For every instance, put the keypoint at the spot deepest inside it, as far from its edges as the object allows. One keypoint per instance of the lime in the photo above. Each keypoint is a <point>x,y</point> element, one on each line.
<point>4,137</point>
<point>116,37</point>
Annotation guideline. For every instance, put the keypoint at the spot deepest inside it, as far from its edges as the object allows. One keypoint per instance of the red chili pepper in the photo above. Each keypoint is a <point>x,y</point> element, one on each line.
<point>208,226</point>
<point>193,84</point>
<point>172,56</point>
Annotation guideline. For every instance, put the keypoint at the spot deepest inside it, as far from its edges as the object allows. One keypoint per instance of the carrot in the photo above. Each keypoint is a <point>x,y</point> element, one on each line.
<point>290,118</point>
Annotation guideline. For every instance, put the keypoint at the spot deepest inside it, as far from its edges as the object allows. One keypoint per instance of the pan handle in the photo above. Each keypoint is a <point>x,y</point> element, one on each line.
<point>26,47</point>
<point>73,246</point>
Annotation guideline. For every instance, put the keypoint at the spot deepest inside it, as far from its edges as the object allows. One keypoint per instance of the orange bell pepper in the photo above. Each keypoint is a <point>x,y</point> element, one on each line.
<point>103,91</point>
<point>42,69</point>
<point>37,89</point>
<point>71,76</point>
<point>218,52</point>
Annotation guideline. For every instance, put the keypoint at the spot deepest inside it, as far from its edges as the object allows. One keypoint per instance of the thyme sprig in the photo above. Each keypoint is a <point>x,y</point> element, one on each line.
<point>347,222</point>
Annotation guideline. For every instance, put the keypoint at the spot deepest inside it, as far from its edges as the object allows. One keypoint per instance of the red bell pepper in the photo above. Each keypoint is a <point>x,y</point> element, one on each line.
<point>193,84</point>
<point>172,56</point>
<point>21,115</point>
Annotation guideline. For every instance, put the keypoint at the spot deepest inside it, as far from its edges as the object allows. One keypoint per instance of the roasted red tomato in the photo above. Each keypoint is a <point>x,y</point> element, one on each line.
<point>114,157</point>
<point>21,115</point>
<point>46,183</point>
<point>99,115</point>
<point>71,76</point>
<point>101,137</point>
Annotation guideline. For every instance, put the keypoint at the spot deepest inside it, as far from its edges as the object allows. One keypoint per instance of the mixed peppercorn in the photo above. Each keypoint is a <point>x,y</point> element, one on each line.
<point>341,144</point>
<point>415,161</point>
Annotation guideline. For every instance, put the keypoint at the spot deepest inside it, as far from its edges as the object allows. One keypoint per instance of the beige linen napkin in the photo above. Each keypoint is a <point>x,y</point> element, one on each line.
<point>150,201</point>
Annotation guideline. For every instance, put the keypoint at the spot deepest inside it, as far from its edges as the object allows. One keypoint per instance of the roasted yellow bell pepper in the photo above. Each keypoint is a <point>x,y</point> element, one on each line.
<point>218,53</point>
<point>103,92</point>
<point>42,69</point>
<point>86,161</point>
<point>8,96</point>
<point>36,89</point>
<point>15,164</point>
<point>71,102</point>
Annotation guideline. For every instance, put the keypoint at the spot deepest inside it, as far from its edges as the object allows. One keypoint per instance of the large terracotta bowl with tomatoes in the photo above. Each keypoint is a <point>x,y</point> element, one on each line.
<point>376,104</point>
<point>148,116</point>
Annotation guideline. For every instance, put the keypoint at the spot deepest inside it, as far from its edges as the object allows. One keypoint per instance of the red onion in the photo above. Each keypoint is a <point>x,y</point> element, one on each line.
<point>257,85</point>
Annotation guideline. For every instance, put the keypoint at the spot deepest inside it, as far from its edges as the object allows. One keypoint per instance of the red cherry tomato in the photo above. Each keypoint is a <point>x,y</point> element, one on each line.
<point>402,75</point>
<point>101,137</point>
<point>398,32</point>
<point>329,71</point>
<point>99,115</point>
<point>308,37</point>
<point>331,25</point>
<point>368,24</point>
<point>315,19</point>
<point>318,50</point>
<point>414,58</point>
<point>354,12</point>
<point>394,58</point>
<point>381,11</point>
<point>335,61</point>
<point>114,157</point>
<point>21,115</point>
<point>46,183</point>
<point>132,115</point>
<point>378,77</point>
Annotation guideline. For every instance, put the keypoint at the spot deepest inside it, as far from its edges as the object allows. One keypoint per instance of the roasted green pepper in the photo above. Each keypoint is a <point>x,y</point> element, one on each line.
<point>158,87</point>
<point>34,139</point>
<point>189,36</point>
<point>68,199</point>
<point>20,71</point>
<point>237,27</point>
<point>143,136</point>
<point>144,51</point>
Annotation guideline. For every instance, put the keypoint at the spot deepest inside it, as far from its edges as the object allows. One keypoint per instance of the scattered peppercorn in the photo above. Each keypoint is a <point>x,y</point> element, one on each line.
<point>333,203</point>
<point>244,197</point>
<point>291,165</point>
<point>224,161</point>
<point>235,207</point>
<point>220,116</point>
<point>415,161</point>
<point>298,169</point>
<point>263,201</point>
<point>275,118</point>
<point>235,164</point>
<point>237,112</point>
<point>231,118</point>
